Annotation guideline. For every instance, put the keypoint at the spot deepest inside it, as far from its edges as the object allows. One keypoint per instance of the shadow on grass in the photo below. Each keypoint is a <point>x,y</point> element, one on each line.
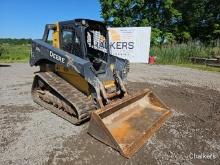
<point>4,65</point>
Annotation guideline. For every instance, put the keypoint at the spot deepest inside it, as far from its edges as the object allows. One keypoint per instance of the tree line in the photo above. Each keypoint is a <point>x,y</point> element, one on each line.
<point>15,41</point>
<point>171,20</point>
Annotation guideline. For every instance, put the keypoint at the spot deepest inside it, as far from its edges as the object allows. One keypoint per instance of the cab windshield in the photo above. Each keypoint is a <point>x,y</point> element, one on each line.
<point>96,42</point>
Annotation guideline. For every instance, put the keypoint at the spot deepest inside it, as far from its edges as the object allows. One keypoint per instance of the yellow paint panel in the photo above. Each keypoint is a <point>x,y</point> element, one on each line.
<point>109,83</point>
<point>112,67</point>
<point>73,78</point>
<point>56,37</point>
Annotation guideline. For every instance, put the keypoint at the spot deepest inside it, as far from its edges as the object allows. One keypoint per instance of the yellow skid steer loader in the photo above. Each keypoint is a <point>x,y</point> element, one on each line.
<point>80,80</point>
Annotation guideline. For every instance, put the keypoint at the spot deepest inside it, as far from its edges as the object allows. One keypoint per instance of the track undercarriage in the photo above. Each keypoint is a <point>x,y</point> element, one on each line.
<point>61,98</point>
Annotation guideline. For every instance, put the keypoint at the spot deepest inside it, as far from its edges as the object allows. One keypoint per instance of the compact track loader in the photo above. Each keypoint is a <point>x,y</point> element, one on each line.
<point>80,80</point>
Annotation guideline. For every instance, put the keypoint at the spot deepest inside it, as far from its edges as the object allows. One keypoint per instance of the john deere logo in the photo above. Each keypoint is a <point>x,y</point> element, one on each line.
<point>57,57</point>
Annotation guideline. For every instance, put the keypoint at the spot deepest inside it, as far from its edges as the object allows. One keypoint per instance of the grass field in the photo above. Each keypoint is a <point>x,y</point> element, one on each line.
<point>15,53</point>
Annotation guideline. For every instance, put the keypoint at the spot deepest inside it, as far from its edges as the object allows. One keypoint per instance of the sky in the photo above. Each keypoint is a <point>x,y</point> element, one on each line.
<point>27,18</point>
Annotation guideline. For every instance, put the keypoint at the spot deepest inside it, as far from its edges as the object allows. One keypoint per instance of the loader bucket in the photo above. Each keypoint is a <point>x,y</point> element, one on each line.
<point>127,124</point>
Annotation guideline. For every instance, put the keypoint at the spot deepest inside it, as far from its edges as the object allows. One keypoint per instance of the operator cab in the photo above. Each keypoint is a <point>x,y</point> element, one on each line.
<point>86,39</point>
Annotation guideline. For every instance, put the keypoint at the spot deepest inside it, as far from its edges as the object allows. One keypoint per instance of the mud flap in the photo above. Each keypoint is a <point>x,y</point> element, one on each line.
<point>127,124</point>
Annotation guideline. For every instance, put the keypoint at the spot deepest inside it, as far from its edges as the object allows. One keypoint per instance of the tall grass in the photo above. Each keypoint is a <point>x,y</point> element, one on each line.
<point>180,53</point>
<point>15,52</point>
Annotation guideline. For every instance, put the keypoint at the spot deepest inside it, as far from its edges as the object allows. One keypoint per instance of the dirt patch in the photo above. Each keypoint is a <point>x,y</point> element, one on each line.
<point>198,103</point>
<point>29,134</point>
<point>32,136</point>
<point>19,85</point>
<point>11,117</point>
<point>17,109</point>
<point>190,132</point>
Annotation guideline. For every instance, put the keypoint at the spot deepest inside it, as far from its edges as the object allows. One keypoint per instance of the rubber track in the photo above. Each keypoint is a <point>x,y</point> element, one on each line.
<point>83,105</point>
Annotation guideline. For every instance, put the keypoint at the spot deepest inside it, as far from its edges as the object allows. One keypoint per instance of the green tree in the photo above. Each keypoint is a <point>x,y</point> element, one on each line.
<point>180,20</point>
<point>159,14</point>
<point>200,19</point>
<point>15,41</point>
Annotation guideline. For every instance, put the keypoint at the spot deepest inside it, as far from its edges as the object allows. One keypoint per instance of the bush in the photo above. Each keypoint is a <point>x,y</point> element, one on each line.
<point>180,53</point>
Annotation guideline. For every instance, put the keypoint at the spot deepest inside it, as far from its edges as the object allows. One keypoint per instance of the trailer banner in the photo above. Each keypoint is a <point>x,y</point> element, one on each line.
<point>132,43</point>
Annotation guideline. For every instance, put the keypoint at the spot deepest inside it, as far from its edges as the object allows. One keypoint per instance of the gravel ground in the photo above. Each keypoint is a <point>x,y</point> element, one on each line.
<point>29,134</point>
<point>173,75</point>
